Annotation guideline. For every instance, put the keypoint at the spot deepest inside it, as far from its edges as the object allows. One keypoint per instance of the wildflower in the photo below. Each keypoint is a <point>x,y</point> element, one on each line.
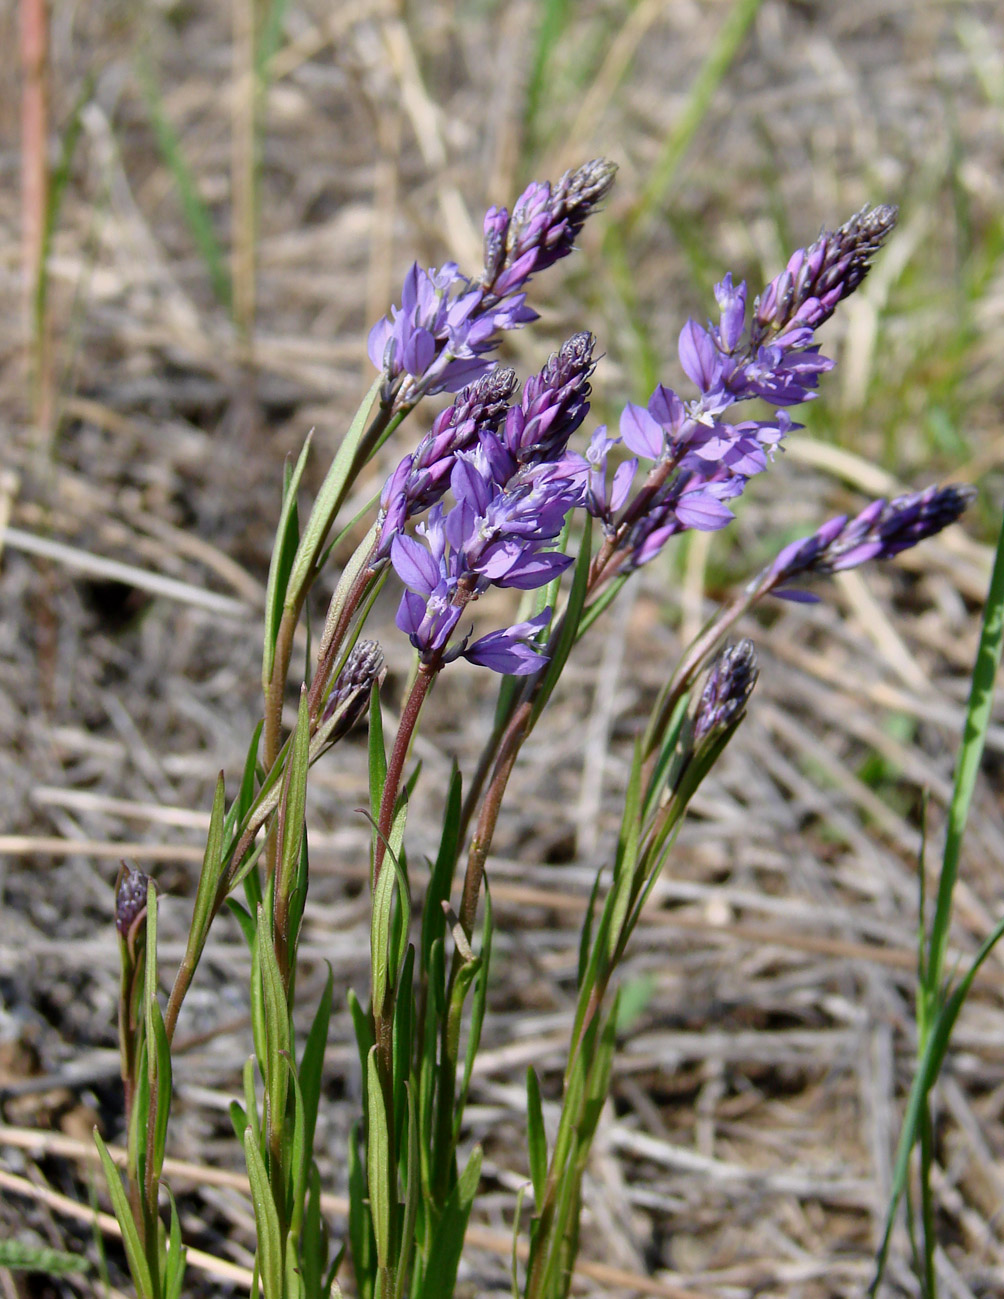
<point>727,689</point>
<point>422,477</point>
<point>701,458</point>
<point>439,337</point>
<point>817,278</point>
<point>544,225</point>
<point>441,332</point>
<point>880,531</point>
<point>497,534</point>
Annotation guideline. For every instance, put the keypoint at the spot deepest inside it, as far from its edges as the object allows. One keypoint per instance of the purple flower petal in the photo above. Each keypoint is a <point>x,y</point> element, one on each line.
<point>641,433</point>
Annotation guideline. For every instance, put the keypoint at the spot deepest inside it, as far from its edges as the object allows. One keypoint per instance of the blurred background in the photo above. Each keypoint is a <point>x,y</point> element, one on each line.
<point>205,207</point>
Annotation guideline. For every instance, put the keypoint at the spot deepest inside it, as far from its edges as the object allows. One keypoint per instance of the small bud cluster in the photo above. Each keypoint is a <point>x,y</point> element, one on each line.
<point>727,690</point>
<point>880,531</point>
<point>351,691</point>
<point>130,898</point>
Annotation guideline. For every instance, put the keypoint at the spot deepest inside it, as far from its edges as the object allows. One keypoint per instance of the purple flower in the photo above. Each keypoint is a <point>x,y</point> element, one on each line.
<point>440,335</point>
<point>880,531</point>
<point>701,457</point>
<point>513,650</point>
<point>422,477</point>
<point>553,405</point>
<point>441,332</point>
<point>817,278</point>
<point>544,225</point>
<point>601,503</point>
<point>727,689</point>
<point>499,533</point>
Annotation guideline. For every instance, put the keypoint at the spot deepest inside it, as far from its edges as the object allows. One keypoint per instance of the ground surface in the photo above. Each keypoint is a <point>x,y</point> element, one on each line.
<point>759,1087</point>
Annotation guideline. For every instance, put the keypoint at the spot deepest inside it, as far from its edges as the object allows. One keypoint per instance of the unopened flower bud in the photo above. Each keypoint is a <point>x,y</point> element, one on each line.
<point>728,688</point>
<point>350,693</point>
<point>130,898</point>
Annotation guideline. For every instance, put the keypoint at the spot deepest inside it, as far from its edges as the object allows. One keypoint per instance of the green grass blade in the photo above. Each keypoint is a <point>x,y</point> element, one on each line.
<point>731,34</point>
<point>974,738</point>
<point>196,213</point>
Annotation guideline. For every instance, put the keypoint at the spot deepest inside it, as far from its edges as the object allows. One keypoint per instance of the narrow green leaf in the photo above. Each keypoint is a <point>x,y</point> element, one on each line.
<point>448,1241</point>
<point>294,806</point>
<point>174,1258</point>
<point>559,652</point>
<point>412,1194</point>
<point>363,1026</point>
<point>138,1267</point>
<point>196,213</point>
<point>238,1118</point>
<point>269,1255</point>
<point>402,1042</point>
<point>162,1053</point>
<point>287,536</point>
<point>928,1068</point>
<point>293,1288</point>
<point>379,1174</point>
<point>329,500</point>
<point>377,755</point>
<point>278,1041</point>
<point>246,921</point>
<point>478,1006</point>
<point>300,1156</point>
<point>312,1060</point>
<point>981,697</point>
<point>209,876</point>
<point>536,1137</point>
<point>586,936</point>
<point>360,1220</point>
<point>383,896</point>
<point>441,878</point>
<point>251,1102</point>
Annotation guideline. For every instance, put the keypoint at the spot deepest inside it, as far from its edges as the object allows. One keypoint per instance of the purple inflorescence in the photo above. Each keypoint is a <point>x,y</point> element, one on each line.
<point>513,490</point>
<point>700,458</point>
<point>130,899</point>
<point>727,690</point>
<point>881,530</point>
<point>421,478</point>
<point>544,225</point>
<point>446,325</point>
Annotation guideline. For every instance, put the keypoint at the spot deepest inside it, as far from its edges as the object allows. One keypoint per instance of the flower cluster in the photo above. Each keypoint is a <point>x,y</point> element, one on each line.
<point>701,459</point>
<point>880,531</point>
<point>513,491</point>
<point>447,324</point>
<point>727,689</point>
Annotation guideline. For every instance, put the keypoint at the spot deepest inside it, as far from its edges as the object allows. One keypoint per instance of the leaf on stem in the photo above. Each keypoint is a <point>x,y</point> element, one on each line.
<point>536,1137</point>
<point>139,1269</point>
<point>269,1256</point>
<point>379,1173</point>
<point>287,538</point>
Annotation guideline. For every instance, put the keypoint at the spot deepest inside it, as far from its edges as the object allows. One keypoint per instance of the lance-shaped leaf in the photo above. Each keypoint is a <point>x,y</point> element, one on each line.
<point>329,500</point>
<point>536,1137</point>
<point>209,880</point>
<point>360,1220</point>
<point>448,1241</point>
<point>292,812</point>
<point>287,536</point>
<point>269,1256</point>
<point>441,879</point>
<point>173,1270</point>
<point>379,1173</point>
<point>139,1269</point>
